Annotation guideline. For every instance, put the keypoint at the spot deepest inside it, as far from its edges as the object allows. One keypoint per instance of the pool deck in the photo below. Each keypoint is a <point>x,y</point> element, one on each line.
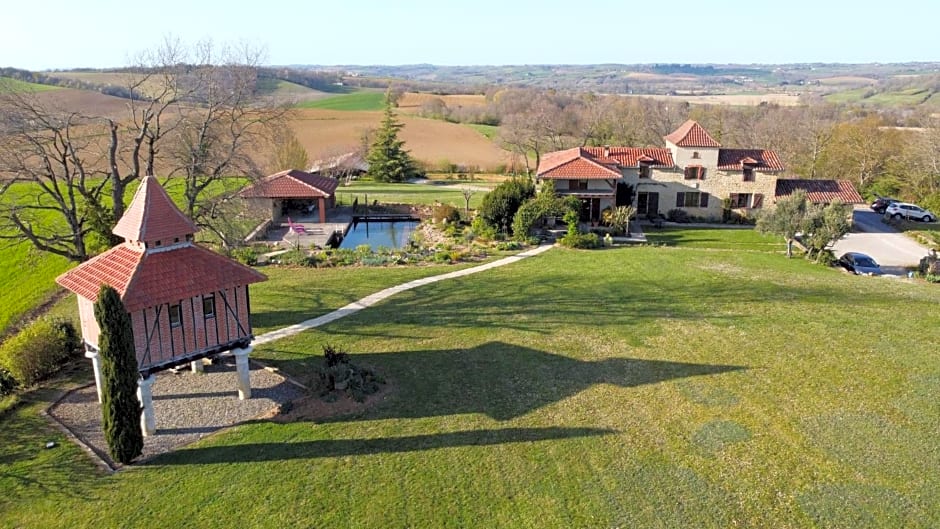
<point>314,233</point>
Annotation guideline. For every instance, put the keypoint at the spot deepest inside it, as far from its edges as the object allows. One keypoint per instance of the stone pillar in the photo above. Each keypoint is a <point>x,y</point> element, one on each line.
<point>244,375</point>
<point>198,366</point>
<point>96,367</point>
<point>148,423</point>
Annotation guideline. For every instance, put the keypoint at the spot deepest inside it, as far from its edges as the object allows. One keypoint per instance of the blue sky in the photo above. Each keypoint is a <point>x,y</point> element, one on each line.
<point>45,34</point>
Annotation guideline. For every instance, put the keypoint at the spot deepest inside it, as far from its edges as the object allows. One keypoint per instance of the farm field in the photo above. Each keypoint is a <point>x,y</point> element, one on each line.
<point>412,101</point>
<point>328,132</point>
<point>749,100</point>
<point>629,387</point>
<point>359,100</point>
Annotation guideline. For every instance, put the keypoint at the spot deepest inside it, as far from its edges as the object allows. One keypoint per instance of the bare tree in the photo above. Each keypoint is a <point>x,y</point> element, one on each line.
<point>467,193</point>
<point>50,194</point>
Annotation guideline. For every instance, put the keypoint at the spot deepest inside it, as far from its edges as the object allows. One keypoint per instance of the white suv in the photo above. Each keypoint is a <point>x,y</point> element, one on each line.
<point>904,210</point>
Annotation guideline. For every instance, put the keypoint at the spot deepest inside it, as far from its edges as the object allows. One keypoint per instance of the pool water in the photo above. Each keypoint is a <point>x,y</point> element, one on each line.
<point>382,233</point>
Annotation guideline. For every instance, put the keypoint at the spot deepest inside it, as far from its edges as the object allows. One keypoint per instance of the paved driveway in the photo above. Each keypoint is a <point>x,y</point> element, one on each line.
<point>892,249</point>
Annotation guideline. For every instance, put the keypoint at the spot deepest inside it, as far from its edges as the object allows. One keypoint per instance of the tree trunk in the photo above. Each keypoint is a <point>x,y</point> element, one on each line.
<point>789,248</point>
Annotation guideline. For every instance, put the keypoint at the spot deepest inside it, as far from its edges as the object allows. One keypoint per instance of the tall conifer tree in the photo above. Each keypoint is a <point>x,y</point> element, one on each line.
<point>120,407</point>
<point>388,159</point>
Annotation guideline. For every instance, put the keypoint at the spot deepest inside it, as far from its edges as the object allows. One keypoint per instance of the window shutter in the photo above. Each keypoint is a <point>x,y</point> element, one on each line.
<point>758,201</point>
<point>680,199</point>
<point>703,200</point>
<point>701,173</point>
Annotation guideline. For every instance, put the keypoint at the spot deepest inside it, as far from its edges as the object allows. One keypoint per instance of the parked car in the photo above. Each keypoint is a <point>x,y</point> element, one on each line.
<point>881,204</point>
<point>909,211</point>
<point>859,263</point>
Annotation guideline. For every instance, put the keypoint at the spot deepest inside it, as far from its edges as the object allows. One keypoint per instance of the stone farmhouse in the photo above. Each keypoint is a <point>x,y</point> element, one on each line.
<point>692,173</point>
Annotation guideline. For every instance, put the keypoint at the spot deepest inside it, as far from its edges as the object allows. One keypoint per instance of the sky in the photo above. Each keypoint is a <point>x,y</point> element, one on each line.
<point>61,34</point>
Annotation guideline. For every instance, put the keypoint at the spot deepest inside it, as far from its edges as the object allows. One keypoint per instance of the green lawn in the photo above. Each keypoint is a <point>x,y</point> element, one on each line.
<point>632,387</point>
<point>717,238</point>
<point>443,192</point>
<point>362,100</point>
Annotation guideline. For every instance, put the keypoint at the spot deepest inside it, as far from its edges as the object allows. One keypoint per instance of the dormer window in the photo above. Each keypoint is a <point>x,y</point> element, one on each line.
<point>748,174</point>
<point>646,171</point>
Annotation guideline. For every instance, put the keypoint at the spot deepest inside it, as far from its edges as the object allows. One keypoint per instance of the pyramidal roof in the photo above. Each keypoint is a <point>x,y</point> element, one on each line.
<point>691,134</point>
<point>153,216</point>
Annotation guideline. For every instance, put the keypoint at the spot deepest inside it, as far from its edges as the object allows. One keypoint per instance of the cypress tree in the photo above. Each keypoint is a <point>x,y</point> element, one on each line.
<point>120,407</point>
<point>387,157</point>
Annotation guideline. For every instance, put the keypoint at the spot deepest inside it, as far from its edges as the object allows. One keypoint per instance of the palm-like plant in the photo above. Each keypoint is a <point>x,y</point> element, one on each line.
<point>619,218</point>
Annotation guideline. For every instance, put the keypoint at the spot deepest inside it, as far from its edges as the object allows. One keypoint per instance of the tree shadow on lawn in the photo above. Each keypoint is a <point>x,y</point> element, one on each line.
<point>500,380</point>
<point>258,452</point>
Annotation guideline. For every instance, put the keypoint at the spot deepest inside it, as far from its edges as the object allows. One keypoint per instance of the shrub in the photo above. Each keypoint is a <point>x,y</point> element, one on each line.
<point>580,240</point>
<point>677,215</point>
<point>445,212</point>
<point>500,205</point>
<point>932,278</point>
<point>482,230</point>
<point>297,257</point>
<point>39,350</point>
<point>246,255</point>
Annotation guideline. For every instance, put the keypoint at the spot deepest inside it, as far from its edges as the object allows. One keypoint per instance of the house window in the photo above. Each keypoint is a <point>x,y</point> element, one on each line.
<point>647,203</point>
<point>176,315</point>
<point>747,200</point>
<point>646,171</point>
<point>692,199</point>
<point>695,172</point>
<point>577,185</point>
<point>748,174</point>
<point>696,155</point>
<point>208,307</point>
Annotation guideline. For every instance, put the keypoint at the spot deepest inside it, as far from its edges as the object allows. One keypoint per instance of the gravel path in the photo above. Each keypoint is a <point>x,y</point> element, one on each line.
<point>187,406</point>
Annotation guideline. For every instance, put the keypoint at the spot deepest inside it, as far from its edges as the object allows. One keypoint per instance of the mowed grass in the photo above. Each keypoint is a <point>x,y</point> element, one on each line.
<point>631,387</point>
<point>490,131</point>
<point>716,238</point>
<point>393,193</point>
<point>363,100</point>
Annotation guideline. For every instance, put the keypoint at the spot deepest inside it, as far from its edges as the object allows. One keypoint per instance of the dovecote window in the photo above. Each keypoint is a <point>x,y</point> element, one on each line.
<point>208,306</point>
<point>176,315</point>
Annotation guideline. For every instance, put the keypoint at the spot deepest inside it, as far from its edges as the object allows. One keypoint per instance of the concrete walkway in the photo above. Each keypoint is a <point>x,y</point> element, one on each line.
<point>372,299</point>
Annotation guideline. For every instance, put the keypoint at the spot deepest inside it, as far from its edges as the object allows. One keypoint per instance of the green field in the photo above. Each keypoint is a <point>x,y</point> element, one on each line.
<point>632,387</point>
<point>896,98</point>
<point>29,276</point>
<point>490,131</point>
<point>445,192</point>
<point>8,84</point>
<point>363,100</point>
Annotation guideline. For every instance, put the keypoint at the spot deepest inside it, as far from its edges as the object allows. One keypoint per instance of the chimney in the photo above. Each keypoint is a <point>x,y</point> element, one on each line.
<point>606,151</point>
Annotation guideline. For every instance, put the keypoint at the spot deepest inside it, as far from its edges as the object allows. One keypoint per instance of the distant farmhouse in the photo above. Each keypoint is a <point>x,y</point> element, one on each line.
<point>691,173</point>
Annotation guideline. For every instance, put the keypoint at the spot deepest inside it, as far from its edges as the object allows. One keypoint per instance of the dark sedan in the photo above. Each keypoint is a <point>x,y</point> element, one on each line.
<point>881,204</point>
<point>859,263</point>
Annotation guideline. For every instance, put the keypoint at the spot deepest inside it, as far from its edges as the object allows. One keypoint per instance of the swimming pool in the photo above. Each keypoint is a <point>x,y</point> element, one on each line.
<point>390,234</point>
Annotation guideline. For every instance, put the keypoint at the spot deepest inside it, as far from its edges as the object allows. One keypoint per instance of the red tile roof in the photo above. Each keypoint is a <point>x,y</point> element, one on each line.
<point>115,267</point>
<point>691,134</point>
<point>576,163</point>
<point>589,163</point>
<point>632,156</point>
<point>153,216</point>
<point>820,191</point>
<point>292,183</point>
<point>147,279</point>
<point>760,159</point>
